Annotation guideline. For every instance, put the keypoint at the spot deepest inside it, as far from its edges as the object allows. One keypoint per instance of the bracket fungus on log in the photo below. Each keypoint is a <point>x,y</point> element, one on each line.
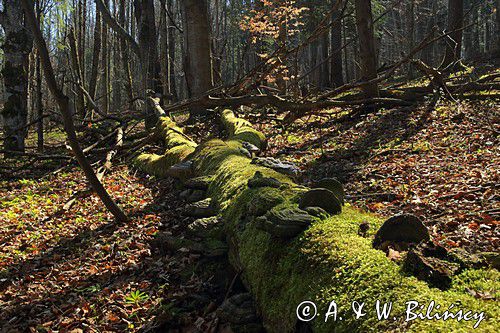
<point>333,185</point>
<point>401,228</point>
<point>328,260</point>
<point>285,223</point>
<point>323,198</point>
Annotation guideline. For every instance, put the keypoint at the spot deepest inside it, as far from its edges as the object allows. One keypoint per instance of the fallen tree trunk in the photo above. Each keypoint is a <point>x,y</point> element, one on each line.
<point>327,262</point>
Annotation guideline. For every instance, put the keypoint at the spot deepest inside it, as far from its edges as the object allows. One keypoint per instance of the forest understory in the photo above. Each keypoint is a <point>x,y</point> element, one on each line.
<point>67,265</point>
<point>207,166</point>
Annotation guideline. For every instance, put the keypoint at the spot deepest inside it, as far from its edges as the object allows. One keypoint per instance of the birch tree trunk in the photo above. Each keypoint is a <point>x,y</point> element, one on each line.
<point>16,47</point>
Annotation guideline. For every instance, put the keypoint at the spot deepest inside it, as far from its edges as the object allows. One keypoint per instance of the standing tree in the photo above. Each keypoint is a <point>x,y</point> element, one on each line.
<point>197,62</point>
<point>105,68</point>
<point>497,16</point>
<point>146,49</point>
<point>337,77</point>
<point>16,47</point>
<point>368,55</point>
<point>454,40</point>
<point>145,17</point>
<point>95,55</point>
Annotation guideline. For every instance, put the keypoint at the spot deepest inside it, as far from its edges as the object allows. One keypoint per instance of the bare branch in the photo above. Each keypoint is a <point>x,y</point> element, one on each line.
<point>66,112</point>
<point>113,24</point>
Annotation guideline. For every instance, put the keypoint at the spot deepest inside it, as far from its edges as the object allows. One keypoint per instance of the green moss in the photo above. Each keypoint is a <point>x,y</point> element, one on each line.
<point>242,130</point>
<point>329,261</point>
<point>178,145</point>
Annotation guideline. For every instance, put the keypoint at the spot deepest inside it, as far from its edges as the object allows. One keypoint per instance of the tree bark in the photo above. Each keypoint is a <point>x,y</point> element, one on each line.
<point>125,56</point>
<point>95,55</point>
<point>104,97</point>
<point>16,47</point>
<point>171,53</point>
<point>38,93</point>
<point>454,41</point>
<point>150,66</point>
<point>77,71</point>
<point>411,34</point>
<point>66,112</point>
<point>325,68</point>
<point>497,16</point>
<point>368,56</point>
<point>337,76</point>
<point>271,264</point>
<point>197,63</point>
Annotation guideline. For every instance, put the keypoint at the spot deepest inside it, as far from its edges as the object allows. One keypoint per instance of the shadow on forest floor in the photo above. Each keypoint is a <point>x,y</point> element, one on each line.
<point>82,270</point>
<point>439,162</point>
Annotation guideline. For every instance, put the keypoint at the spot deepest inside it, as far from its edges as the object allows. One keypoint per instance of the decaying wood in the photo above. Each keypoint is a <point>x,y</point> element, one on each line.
<point>264,228</point>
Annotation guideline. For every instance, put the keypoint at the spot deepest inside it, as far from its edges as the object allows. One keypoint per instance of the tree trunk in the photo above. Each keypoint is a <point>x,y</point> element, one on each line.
<point>454,25</point>
<point>150,66</point>
<point>125,57</point>
<point>163,40</point>
<point>16,47</point>
<point>411,34</point>
<point>497,16</point>
<point>77,72</point>
<point>38,93</point>
<point>95,55</point>
<point>325,68</point>
<point>197,63</point>
<point>171,53</point>
<point>82,30</point>
<point>337,77</point>
<point>368,56</point>
<point>116,78</point>
<point>105,68</point>
<point>281,249</point>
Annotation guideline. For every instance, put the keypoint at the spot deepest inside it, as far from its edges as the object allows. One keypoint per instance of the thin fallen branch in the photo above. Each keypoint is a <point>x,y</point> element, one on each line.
<point>109,157</point>
<point>281,103</point>
<point>36,155</point>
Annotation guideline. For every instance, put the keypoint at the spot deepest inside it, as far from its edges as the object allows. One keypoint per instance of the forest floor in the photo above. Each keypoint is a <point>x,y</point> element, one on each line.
<point>440,162</point>
<point>66,265</point>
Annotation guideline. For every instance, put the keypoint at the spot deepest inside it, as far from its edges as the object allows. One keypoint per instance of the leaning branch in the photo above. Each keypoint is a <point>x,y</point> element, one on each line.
<point>66,112</point>
<point>113,24</point>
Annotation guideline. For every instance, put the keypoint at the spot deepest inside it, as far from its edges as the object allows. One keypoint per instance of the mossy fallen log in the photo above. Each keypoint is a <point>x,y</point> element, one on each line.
<point>327,262</point>
<point>178,147</point>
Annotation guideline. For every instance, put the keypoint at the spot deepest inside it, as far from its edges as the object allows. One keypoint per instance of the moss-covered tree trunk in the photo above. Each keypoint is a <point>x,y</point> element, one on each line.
<point>16,47</point>
<point>327,262</point>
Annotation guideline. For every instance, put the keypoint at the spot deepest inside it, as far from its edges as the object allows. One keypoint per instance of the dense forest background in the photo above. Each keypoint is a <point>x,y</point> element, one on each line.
<point>207,165</point>
<point>312,45</point>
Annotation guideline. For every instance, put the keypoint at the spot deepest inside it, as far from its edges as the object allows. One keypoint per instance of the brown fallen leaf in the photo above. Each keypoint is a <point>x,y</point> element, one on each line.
<point>394,255</point>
